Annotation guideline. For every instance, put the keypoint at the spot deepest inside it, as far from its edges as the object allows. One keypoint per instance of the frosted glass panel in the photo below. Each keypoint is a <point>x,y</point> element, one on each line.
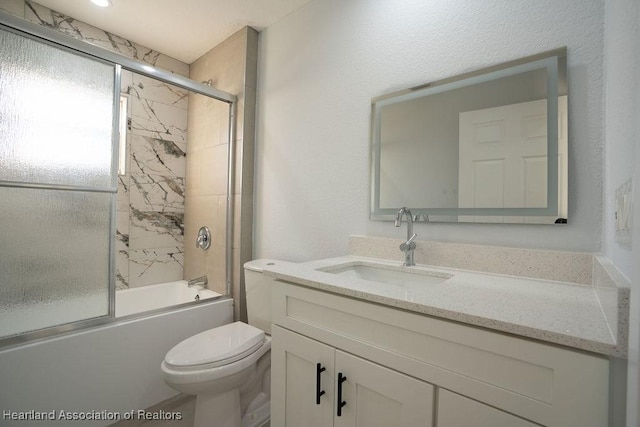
<point>56,114</point>
<point>54,266</point>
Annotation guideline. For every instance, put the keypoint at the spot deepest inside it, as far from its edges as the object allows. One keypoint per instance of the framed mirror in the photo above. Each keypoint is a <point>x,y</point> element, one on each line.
<point>489,146</point>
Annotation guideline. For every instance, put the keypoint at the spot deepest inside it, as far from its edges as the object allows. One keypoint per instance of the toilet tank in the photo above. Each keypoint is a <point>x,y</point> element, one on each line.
<point>258,292</point>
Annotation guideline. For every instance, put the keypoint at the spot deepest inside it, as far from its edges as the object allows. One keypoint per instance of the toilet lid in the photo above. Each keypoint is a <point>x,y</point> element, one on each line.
<point>216,346</point>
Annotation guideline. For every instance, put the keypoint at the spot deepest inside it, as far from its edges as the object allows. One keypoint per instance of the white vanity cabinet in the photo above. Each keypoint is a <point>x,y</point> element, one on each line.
<point>455,411</point>
<point>433,372</point>
<point>314,384</point>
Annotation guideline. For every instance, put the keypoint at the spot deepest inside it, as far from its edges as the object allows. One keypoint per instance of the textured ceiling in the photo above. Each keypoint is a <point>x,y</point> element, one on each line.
<point>183,29</point>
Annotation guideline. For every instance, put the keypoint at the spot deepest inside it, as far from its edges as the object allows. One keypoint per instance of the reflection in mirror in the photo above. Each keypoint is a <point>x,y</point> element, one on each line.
<point>476,148</point>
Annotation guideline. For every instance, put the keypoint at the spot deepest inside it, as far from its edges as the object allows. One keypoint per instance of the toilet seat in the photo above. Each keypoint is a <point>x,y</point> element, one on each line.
<point>190,380</point>
<point>215,347</point>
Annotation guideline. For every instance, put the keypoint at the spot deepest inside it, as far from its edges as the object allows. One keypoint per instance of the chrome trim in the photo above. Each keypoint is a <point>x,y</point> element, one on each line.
<point>176,307</point>
<point>552,133</point>
<point>55,332</point>
<point>201,281</point>
<point>203,239</point>
<point>385,214</point>
<point>54,38</point>
<point>115,125</point>
<point>409,246</point>
<point>112,256</point>
<point>19,26</point>
<point>39,186</point>
<point>116,58</point>
<point>115,148</point>
<point>230,186</point>
<point>560,52</point>
<point>34,32</point>
<point>550,60</point>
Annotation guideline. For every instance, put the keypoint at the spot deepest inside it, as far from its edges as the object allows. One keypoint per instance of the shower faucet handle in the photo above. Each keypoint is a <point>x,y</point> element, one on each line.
<point>203,240</point>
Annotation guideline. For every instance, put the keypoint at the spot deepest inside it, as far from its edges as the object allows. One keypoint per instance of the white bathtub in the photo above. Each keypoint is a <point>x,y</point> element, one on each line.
<point>153,297</point>
<point>113,367</point>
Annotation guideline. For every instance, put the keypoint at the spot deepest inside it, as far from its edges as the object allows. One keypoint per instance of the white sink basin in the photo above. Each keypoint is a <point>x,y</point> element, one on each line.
<point>398,276</point>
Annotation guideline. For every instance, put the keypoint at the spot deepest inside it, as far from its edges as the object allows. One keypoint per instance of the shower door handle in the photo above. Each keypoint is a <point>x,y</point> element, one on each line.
<point>319,392</point>
<point>341,403</point>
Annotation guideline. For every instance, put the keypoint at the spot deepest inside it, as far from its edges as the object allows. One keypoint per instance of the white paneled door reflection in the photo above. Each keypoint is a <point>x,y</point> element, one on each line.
<point>503,160</point>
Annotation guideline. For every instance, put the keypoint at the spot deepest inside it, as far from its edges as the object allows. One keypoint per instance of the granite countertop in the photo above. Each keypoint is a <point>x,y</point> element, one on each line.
<point>556,312</point>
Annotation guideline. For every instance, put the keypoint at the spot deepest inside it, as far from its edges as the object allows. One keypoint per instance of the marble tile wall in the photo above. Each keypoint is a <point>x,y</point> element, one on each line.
<point>80,30</point>
<point>151,193</point>
<point>150,200</point>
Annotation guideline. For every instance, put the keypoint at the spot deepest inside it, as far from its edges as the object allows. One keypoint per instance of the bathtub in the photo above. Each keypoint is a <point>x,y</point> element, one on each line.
<point>114,367</point>
<point>153,297</point>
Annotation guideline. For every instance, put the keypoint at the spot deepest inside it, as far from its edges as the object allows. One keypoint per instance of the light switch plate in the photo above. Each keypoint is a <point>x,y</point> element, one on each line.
<point>624,212</point>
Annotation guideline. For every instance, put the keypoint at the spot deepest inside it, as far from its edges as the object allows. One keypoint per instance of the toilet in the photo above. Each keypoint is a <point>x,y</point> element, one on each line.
<point>228,368</point>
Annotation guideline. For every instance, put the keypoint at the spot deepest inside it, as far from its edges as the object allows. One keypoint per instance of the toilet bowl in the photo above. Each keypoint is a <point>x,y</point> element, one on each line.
<point>229,368</point>
<point>217,366</point>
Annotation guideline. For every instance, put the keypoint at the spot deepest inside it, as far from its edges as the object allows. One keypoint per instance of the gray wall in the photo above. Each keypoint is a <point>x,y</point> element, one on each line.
<point>321,66</point>
<point>420,138</point>
<point>622,136</point>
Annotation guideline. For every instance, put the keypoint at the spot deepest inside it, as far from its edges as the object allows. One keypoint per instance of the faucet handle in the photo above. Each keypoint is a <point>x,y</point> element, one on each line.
<point>203,239</point>
<point>407,247</point>
<point>409,244</point>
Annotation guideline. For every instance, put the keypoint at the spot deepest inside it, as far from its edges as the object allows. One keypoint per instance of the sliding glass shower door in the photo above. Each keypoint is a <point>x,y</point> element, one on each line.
<point>57,184</point>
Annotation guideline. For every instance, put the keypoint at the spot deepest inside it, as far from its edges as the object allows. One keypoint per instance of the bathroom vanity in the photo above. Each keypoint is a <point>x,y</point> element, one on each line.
<point>359,341</point>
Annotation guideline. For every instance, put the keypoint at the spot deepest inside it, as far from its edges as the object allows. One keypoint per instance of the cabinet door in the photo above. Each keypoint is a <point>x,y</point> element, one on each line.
<point>455,411</point>
<point>294,381</point>
<point>376,396</point>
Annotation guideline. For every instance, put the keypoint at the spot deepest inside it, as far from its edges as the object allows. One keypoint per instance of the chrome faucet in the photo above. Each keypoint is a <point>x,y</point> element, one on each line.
<point>408,246</point>
<point>198,281</point>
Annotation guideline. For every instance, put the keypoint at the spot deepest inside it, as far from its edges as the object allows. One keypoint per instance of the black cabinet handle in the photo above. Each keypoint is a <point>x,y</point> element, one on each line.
<point>319,369</point>
<point>341,403</point>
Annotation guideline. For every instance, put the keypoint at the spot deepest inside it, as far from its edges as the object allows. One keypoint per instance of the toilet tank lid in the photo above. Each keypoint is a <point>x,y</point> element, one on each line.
<point>215,345</point>
<point>259,264</point>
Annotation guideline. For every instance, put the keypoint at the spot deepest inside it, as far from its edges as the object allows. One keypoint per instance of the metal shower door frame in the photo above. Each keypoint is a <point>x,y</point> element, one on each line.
<point>52,37</point>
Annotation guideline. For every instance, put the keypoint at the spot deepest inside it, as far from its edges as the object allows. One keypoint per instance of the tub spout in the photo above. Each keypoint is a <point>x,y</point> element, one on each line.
<point>198,281</point>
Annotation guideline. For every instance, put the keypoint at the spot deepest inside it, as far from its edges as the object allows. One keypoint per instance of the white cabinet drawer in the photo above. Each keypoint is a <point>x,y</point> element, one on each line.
<point>456,411</point>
